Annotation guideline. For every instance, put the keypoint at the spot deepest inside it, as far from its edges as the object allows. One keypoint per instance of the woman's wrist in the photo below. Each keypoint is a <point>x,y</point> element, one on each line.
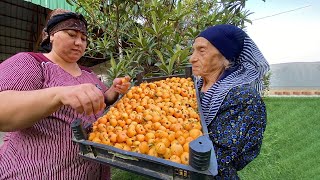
<point>111,95</point>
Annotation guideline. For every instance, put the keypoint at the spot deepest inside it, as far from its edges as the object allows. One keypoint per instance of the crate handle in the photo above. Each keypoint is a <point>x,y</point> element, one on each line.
<point>80,135</point>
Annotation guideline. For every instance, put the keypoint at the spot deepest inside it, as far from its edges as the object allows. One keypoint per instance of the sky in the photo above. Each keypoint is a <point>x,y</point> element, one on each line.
<point>291,36</point>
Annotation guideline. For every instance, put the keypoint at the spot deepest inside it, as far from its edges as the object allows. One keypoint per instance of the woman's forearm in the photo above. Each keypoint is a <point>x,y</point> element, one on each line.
<point>21,109</point>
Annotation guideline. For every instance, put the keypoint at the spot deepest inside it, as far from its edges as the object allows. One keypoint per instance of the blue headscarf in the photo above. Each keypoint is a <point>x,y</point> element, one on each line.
<point>227,39</point>
<point>249,65</point>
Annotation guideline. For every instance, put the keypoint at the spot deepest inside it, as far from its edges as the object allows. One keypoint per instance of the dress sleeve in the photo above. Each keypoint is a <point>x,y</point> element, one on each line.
<point>21,72</point>
<point>237,130</point>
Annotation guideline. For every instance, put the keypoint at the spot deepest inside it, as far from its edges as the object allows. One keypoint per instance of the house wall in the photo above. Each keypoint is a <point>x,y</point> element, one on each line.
<point>21,25</point>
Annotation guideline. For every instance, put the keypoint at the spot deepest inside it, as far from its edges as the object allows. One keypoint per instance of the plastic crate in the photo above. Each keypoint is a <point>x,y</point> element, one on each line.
<point>146,165</point>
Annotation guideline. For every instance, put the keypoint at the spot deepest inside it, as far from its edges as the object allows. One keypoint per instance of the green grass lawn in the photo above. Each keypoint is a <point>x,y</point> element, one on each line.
<point>291,147</point>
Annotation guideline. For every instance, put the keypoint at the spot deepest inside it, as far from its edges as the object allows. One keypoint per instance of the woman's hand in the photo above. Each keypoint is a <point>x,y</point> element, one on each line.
<point>84,98</point>
<point>121,85</point>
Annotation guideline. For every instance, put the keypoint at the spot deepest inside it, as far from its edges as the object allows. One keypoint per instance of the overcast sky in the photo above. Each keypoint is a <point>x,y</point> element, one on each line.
<point>292,36</point>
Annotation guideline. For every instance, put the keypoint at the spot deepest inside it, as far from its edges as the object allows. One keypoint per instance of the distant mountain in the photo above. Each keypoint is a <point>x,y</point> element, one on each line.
<point>296,75</point>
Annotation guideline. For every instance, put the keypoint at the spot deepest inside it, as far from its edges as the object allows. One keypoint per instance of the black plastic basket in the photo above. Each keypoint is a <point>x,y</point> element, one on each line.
<point>146,165</point>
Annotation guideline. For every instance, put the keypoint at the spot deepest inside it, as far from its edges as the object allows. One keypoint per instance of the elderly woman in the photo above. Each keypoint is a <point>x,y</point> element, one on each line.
<point>41,94</point>
<point>230,67</point>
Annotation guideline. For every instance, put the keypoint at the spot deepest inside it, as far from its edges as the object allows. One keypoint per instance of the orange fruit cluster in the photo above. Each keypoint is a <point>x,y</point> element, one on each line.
<point>158,119</point>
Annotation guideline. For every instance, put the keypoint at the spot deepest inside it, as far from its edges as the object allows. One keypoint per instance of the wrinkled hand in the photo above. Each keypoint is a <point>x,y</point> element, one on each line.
<point>121,85</point>
<point>84,98</point>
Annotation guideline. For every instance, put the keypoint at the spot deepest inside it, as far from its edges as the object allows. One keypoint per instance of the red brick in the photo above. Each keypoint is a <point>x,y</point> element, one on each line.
<point>286,93</point>
<point>306,93</point>
<point>296,93</point>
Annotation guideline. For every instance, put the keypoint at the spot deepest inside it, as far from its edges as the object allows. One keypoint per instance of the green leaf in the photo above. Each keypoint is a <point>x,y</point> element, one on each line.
<point>160,56</point>
<point>69,2</point>
<point>172,61</point>
<point>136,42</point>
<point>113,62</point>
<point>150,30</point>
<point>154,22</point>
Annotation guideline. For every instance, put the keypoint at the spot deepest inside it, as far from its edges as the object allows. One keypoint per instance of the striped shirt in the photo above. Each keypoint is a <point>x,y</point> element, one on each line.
<point>45,150</point>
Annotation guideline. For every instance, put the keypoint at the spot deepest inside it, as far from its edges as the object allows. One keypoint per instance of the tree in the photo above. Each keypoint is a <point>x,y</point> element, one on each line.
<point>152,36</point>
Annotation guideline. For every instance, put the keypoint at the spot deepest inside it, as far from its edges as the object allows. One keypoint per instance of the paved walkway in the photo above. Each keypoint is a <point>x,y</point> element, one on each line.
<point>293,96</point>
<point>1,135</point>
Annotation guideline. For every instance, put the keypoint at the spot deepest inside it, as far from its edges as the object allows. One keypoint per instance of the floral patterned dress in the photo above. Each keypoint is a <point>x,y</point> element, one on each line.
<point>237,130</point>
